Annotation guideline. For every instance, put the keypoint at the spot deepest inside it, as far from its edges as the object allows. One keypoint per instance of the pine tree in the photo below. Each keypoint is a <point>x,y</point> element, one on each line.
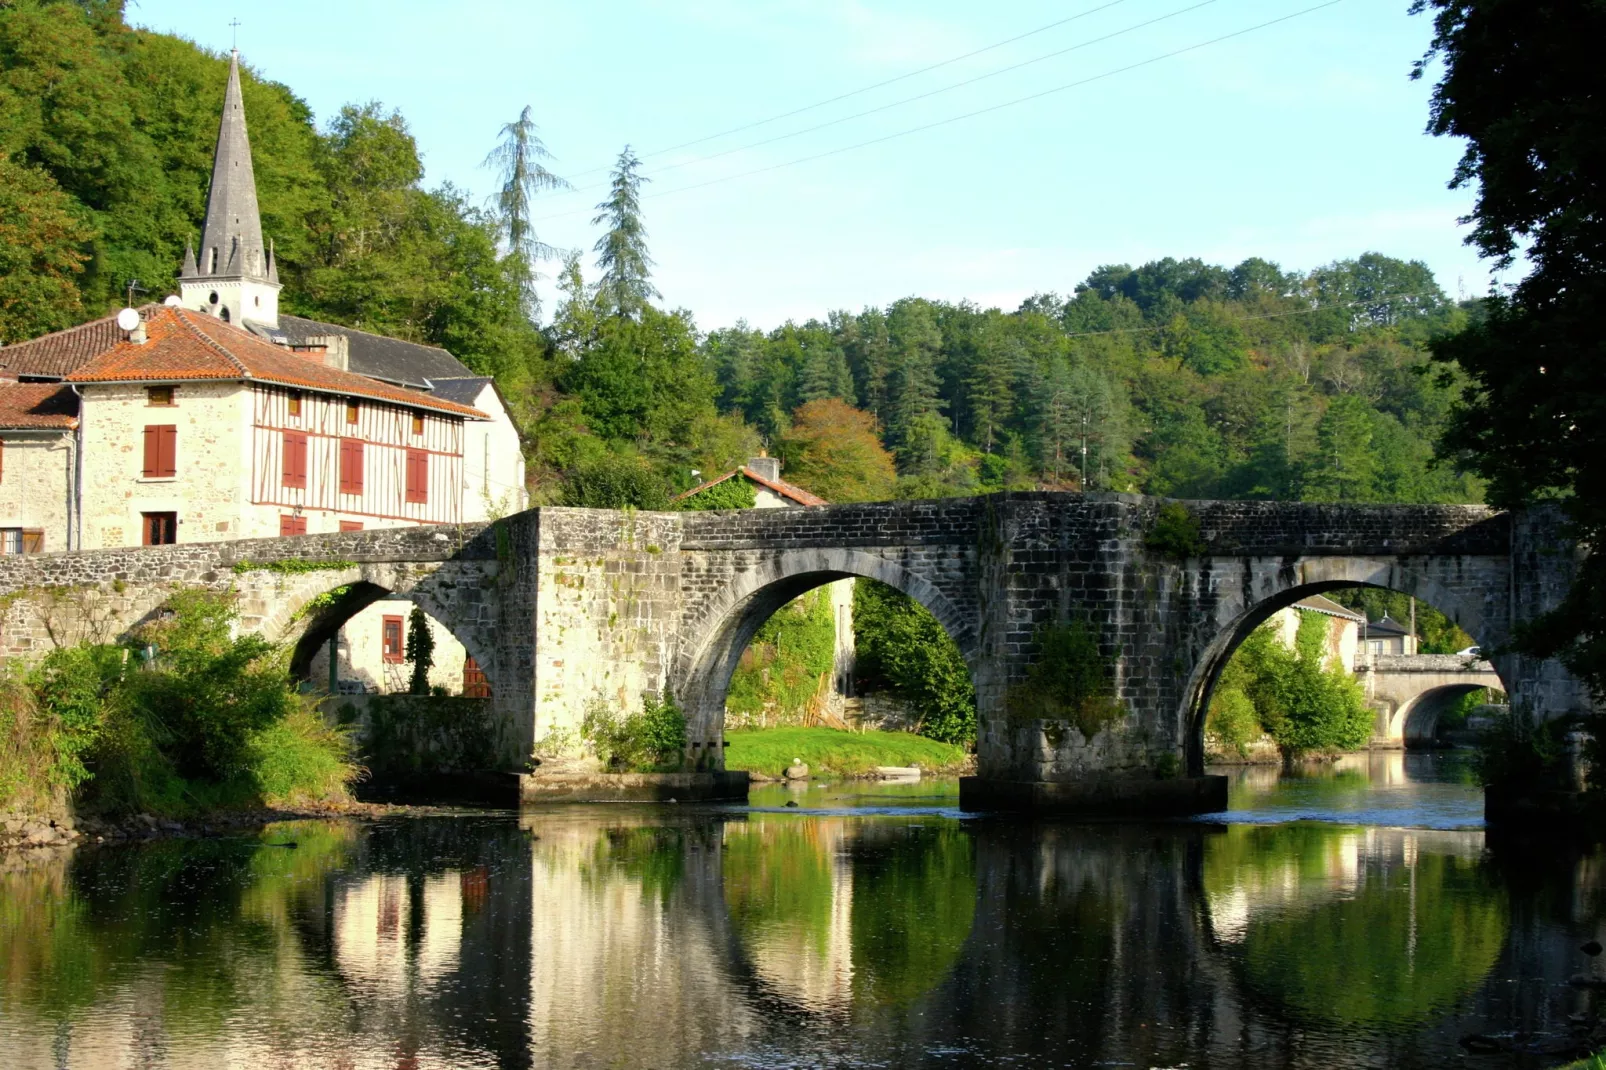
<point>517,160</point>
<point>622,251</point>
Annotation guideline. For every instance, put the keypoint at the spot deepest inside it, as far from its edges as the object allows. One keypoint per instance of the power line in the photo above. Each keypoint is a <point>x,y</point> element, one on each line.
<point>973,114</point>
<point>870,88</point>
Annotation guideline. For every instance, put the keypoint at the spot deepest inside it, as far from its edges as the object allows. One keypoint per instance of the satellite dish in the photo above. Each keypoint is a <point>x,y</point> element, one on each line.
<point>127,319</point>
<point>172,301</point>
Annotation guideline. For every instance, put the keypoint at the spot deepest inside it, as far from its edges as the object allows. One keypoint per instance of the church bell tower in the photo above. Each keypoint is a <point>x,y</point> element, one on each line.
<point>235,277</point>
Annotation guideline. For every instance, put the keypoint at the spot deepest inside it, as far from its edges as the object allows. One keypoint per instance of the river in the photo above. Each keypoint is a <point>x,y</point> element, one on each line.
<point>1348,916</point>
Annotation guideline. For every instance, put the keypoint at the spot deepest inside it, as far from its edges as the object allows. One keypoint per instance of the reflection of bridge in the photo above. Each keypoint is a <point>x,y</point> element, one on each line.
<point>1410,691</point>
<point>562,608</point>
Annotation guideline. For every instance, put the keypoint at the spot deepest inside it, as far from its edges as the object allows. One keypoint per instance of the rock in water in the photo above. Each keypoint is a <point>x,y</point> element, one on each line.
<point>797,770</point>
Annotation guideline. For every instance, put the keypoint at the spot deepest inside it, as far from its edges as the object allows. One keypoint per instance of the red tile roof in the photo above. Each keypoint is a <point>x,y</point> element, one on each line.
<point>26,406</point>
<point>781,487</point>
<point>58,355</point>
<point>182,345</point>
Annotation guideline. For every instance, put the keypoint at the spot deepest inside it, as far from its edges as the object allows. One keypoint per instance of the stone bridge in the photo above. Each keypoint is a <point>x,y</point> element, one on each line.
<point>1410,691</point>
<point>565,608</point>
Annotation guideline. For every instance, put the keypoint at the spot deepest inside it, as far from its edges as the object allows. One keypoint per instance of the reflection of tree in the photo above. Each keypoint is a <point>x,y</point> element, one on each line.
<point>1344,927</point>
<point>778,882</point>
<point>655,856</point>
<point>914,898</point>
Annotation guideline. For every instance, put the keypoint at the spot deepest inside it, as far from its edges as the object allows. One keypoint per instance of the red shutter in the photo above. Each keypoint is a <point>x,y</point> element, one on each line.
<point>417,476</point>
<point>292,525</point>
<point>161,451</point>
<point>351,525</point>
<point>295,459</point>
<point>350,466</point>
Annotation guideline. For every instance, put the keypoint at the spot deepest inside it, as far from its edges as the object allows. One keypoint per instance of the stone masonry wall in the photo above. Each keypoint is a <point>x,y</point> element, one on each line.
<point>36,478</point>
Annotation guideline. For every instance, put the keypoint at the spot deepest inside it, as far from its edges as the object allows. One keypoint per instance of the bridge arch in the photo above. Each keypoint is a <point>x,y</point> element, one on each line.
<point>718,634</point>
<point>1263,596</point>
<point>1417,720</point>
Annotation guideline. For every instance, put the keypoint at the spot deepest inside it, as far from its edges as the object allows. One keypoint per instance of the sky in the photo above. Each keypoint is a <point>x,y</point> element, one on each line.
<point>1147,135</point>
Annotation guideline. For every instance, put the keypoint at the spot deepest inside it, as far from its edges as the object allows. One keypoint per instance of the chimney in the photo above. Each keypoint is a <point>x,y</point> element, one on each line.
<point>767,467</point>
<point>331,350</point>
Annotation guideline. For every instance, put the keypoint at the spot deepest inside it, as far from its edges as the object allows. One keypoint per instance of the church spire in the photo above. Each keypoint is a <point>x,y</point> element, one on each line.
<point>235,278</point>
<point>231,242</point>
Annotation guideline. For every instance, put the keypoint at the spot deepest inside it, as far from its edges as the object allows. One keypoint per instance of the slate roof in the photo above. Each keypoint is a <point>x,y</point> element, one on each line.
<point>1318,604</point>
<point>462,391</point>
<point>58,355</point>
<point>183,345</point>
<point>779,486</point>
<point>379,357</point>
<point>41,406</point>
<point>1388,626</point>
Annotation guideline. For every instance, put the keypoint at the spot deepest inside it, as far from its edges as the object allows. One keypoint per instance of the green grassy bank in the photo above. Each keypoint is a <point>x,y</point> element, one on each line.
<point>834,752</point>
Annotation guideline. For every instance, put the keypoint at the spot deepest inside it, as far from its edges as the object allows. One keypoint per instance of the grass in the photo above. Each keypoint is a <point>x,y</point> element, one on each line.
<point>1593,1062</point>
<point>838,753</point>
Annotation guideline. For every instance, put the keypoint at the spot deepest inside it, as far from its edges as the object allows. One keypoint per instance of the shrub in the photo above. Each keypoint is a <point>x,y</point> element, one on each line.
<point>1517,753</point>
<point>1232,721</point>
<point>653,740</point>
<point>1304,705</point>
<point>302,759</point>
<point>615,482</point>
<point>73,687</point>
<point>1175,532</point>
<point>420,651</point>
<point>788,660</point>
<point>734,493</point>
<point>903,648</point>
<point>1071,680</point>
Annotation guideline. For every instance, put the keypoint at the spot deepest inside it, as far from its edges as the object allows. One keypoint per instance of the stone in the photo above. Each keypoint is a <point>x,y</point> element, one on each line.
<point>798,770</point>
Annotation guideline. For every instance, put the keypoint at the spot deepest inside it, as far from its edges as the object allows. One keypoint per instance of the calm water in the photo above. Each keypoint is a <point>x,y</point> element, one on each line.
<point>1349,917</point>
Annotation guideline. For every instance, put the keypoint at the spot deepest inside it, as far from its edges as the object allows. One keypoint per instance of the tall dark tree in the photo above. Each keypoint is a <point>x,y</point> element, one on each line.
<point>1524,85</point>
<point>518,161</point>
<point>622,249</point>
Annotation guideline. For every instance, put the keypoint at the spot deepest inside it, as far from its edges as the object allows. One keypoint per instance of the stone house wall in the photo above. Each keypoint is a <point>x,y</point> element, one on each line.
<point>36,484</point>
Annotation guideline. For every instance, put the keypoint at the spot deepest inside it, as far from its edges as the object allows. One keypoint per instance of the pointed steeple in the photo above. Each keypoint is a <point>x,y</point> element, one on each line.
<point>231,242</point>
<point>189,270</point>
<point>273,265</point>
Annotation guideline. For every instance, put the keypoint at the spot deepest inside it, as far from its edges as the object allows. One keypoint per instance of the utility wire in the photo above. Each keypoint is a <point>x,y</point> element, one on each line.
<point>868,88</point>
<point>929,93</point>
<point>972,114</point>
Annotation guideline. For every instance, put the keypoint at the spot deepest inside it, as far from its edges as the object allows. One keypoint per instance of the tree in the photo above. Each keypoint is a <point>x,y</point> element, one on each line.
<point>517,160</point>
<point>622,250</point>
<point>1523,85</point>
<point>419,651</point>
<point>833,450</point>
<point>41,238</point>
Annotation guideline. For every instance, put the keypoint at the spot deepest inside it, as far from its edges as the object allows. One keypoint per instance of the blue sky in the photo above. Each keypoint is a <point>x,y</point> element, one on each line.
<point>1301,142</point>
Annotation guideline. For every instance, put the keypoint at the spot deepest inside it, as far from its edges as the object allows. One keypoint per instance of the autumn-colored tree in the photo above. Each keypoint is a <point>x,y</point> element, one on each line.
<point>835,451</point>
<point>40,241</point>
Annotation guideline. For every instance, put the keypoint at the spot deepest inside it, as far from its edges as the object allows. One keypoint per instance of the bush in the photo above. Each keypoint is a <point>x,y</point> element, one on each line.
<point>1071,680</point>
<point>1303,704</point>
<point>785,665</point>
<point>734,493</point>
<point>652,741</point>
<point>1232,721</point>
<point>615,482</point>
<point>903,648</point>
<point>1175,532</point>
<point>1516,753</point>
<point>302,759</point>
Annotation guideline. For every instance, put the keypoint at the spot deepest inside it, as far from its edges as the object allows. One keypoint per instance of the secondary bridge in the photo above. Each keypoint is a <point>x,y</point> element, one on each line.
<point>565,607</point>
<point>1410,691</point>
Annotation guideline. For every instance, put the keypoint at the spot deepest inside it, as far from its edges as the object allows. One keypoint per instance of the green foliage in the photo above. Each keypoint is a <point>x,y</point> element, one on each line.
<point>1516,753</point>
<point>733,493</point>
<point>419,651</point>
<point>914,900</point>
<point>650,741</point>
<point>614,481</point>
<point>408,735</point>
<point>1296,697</point>
<point>291,566</point>
<point>834,752</point>
<point>902,648</point>
<point>786,665</point>
<point>211,720</point>
<point>1175,532</point>
<point>622,250</point>
<point>1070,680</point>
<point>42,235</point>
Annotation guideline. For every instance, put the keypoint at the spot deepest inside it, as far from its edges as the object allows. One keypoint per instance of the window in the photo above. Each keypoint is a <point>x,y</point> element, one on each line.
<point>159,395</point>
<point>351,410</point>
<point>293,403</point>
<point>350,466</point>
<point>475,685</point>
<point>21,540</point>
<point>292,525</point>
<point>418,423</point>
<point>417,476</point>
<point>161,451</point>
<point>158,529</point>
<point>351,525</point>
<point>390,640</point>
<point>295,459</point>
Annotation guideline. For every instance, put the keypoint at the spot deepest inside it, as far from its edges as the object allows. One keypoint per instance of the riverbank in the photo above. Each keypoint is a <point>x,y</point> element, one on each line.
<point>767,752</point>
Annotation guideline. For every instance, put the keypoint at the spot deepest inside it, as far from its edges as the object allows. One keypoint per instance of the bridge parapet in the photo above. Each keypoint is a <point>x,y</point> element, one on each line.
<point>1429,663</point>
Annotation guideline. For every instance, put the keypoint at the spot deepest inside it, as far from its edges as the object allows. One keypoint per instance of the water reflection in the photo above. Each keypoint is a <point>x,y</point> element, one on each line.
<point>658,937</point>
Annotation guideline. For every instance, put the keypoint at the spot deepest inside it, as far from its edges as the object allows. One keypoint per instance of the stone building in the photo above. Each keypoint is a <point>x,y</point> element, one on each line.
<point>216,417</point>
<point>1388,636</point>
<point>1343,632</point>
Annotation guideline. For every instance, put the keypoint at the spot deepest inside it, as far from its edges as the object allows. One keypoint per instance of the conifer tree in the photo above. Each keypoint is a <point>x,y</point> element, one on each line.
<point>517,160</point>
<point>622,250</point>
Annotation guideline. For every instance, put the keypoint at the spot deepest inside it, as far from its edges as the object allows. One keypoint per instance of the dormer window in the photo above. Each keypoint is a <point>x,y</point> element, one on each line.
<point>418,423</point>
<point>293,403</point>
<point>159,395</point>
<point>351,410</point>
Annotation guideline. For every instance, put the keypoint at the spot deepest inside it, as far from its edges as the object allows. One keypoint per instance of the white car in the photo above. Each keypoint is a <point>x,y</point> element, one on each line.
<point>1470,652</point>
